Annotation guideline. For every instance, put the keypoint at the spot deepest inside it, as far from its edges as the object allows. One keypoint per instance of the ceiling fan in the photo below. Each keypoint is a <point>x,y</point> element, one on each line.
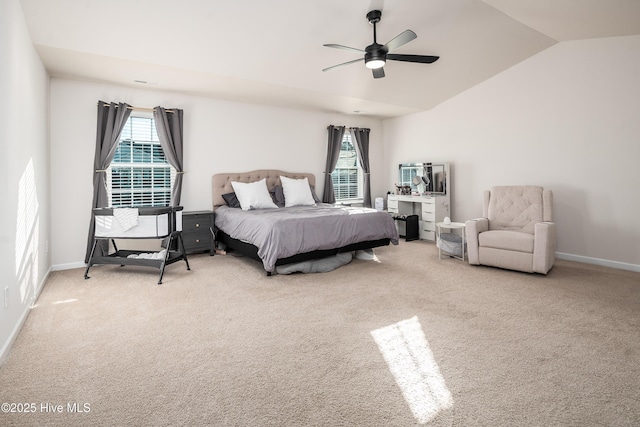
<point>376,55</point>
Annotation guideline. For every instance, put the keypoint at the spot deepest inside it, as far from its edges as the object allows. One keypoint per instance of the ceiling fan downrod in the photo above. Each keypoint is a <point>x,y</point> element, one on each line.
<point>374,17</point>
<point>376,54</point>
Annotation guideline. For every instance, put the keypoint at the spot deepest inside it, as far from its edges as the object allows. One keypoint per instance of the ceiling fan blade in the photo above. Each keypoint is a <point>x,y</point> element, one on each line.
<point>401,39</point>
<point>378,73</point>
<point>339,46</point>
<point>344,63</point>
<point>423,59</point>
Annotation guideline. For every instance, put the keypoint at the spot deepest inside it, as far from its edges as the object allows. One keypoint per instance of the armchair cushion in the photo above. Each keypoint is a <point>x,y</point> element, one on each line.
<point>515,208</point>
<point>507,240</point>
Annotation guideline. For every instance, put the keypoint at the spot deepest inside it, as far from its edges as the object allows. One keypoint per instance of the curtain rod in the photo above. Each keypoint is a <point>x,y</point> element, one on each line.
<point>346,127</point>
<point>150,110</point>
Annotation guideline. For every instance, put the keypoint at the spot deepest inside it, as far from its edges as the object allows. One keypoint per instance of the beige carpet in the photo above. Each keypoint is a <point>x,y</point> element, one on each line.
<point>225,345</point>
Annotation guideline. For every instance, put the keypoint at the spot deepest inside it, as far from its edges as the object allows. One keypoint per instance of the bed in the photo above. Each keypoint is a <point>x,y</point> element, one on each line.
<point>292,234</point>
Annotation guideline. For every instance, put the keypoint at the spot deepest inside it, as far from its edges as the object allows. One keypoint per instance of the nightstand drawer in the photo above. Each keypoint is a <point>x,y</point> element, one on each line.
<point>194,242</point>
<point>196,222</point>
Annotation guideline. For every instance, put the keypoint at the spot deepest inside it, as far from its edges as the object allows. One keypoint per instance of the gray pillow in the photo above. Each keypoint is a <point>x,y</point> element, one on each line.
<point>232,200</point>
<point>313,193</point>
<point>277,194</point>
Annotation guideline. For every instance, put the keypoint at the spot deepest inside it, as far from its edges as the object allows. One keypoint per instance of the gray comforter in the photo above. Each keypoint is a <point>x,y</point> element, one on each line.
<point>284,232</point>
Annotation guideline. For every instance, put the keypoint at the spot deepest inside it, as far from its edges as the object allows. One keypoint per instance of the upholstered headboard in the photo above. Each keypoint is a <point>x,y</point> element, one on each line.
<point>222,181</point>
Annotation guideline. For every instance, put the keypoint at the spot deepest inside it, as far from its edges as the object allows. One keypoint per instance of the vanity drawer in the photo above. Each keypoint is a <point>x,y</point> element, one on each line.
<point>428,207</point>
<point>429,217</point>
<point>428,235</point>
<point>429,226</point>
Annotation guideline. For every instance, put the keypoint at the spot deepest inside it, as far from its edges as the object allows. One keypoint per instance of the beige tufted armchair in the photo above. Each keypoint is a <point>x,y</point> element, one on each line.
<point>516,231</point>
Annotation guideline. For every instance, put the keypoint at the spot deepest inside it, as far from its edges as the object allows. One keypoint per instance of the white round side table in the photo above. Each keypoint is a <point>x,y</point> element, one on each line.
<point>454,228</point>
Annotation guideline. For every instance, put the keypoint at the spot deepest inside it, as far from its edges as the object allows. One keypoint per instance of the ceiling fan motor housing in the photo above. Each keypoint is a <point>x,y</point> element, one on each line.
<point>375,52</point>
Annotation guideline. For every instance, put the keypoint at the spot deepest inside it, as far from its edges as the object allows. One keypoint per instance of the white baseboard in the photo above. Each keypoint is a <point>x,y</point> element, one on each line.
<point>598,261</point>
<point>69,266</point>
<point>4,351</point>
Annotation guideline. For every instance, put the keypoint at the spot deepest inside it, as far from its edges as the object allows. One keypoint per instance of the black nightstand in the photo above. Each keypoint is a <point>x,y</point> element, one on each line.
<point>197,232</point>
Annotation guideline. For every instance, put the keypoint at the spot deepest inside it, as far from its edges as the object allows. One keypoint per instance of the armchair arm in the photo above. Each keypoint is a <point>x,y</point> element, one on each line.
<point>544,247</point>
<point>474,227</point>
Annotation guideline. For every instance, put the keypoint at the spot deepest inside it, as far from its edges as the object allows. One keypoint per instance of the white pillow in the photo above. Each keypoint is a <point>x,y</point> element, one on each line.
<point>253,195</point>
<point>296,192</point>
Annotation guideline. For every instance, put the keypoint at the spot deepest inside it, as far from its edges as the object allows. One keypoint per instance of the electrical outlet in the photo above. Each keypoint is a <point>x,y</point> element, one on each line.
<point>46,246</point>
<point>6,297</point>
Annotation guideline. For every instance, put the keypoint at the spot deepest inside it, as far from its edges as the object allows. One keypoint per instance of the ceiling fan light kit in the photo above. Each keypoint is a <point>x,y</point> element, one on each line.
<point>376,55</point>
<point>374,62</point>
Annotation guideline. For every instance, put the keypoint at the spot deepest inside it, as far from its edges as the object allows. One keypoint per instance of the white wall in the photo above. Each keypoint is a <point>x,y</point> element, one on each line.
<point>567,119</point>
<point>220,136</point>
<point>24,172</point>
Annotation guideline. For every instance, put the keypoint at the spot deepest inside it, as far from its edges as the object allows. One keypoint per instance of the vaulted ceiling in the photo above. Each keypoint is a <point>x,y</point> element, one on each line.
<point>272,51</point>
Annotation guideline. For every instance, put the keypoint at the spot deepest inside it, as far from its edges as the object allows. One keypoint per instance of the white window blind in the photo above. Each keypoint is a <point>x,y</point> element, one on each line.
<point>139,174</point>
<point>347,178</point>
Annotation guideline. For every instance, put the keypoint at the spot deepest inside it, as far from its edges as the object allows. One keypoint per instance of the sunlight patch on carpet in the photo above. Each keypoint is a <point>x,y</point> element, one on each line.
<point>409,358</point>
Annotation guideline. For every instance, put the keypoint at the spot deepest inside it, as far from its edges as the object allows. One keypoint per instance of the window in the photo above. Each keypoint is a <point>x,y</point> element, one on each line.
<point>139,174</point>
<point>347,178</point>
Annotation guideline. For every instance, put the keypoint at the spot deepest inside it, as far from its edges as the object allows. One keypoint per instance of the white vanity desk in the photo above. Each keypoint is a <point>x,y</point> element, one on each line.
<point>430,210</point>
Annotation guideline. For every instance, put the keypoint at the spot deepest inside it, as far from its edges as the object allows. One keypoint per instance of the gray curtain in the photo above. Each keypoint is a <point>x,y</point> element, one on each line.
<point>111,119</point>
<point>169,124</point>
<point>333,152</point>
<point>361,136</point>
